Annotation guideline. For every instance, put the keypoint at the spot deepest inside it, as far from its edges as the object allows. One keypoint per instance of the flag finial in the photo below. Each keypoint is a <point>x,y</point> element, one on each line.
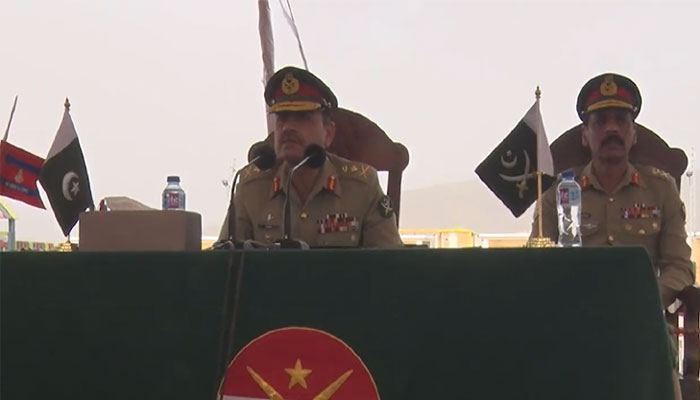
<point>67,104</point>
<point>538,93</point>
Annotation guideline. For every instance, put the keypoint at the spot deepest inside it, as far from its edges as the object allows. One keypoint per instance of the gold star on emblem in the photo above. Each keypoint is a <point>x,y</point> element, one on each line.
<point>297,375</point>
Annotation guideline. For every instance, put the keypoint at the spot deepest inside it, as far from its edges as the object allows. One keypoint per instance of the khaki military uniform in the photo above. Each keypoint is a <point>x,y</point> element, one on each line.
<point>346,208</point>
<point>645,209</point>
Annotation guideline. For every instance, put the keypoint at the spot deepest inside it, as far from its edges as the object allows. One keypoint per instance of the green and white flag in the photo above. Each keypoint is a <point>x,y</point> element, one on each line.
<point>64,176</point>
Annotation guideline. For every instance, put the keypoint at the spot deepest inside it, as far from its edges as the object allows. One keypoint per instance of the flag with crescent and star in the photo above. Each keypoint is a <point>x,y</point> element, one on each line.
<point>64,176</point>
<point>510,171</point>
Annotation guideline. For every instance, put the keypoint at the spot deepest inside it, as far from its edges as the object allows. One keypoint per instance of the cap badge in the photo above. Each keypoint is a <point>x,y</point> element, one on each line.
<point>608,87</point>
<point>290,84</point>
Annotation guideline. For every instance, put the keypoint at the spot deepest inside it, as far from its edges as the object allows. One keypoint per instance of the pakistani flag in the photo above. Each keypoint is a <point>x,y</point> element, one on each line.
<point>510,171</point>
<point>64,176</point>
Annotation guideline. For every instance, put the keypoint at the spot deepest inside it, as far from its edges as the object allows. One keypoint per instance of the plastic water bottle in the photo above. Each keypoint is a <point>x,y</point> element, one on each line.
<point>569,211</point>
<point>173,195</point>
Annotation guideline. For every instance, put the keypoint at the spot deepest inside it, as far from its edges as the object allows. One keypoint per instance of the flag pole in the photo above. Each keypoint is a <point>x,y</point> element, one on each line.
<point>539,204</point>
<point>267,45</point>
<point>539,240</point>
<point>66,246</point>
<point>538,94</point>
<point>12,114</point>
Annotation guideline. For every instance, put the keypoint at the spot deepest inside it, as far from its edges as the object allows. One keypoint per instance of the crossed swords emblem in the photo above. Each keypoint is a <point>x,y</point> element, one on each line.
<point>272,394</point>
<point>519,180</point>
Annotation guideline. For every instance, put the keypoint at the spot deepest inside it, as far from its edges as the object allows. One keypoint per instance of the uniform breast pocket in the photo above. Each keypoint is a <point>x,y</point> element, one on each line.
<point>641,231</point>
<point>339,239</point>
<point>267,234</point>
<point>589,228</point>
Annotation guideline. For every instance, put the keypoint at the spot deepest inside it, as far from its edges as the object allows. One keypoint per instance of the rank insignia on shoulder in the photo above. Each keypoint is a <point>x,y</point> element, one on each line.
<point>250,172</point>
<point>355,170</point>
<point>660,173</point>
<point>385,208</point>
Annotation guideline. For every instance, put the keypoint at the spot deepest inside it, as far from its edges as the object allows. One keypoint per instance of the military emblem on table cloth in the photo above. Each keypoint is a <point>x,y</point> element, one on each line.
<point>339,222</point>
<point>385,207</point>
<point>298,363</point>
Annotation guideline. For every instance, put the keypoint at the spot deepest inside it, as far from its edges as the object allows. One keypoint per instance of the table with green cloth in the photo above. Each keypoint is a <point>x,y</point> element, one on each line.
<point>427,323</point>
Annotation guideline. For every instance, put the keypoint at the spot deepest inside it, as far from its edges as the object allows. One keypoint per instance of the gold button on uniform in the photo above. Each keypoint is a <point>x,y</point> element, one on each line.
<point>303,215</point>
<point>611,238</point>
<point>611,199</point>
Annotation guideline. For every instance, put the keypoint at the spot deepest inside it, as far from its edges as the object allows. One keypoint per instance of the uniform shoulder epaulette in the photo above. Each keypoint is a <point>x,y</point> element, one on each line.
<point>253,173</point>
<point>655,172</point>
<point>353,169</point>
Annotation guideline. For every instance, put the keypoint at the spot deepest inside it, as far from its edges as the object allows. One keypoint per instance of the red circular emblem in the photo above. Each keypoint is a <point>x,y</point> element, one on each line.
<point>298,364</point>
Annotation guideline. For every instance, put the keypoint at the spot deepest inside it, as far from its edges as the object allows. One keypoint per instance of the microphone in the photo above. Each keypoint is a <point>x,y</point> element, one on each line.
<point>262,156</point>
<point>314,157</point>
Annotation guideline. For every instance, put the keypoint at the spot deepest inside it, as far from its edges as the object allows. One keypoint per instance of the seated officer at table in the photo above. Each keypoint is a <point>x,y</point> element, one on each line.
<point>624,204</point>
<point>339,205</point>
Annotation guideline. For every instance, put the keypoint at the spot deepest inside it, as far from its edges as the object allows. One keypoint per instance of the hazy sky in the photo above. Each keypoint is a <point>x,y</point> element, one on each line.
<point>161,87</point>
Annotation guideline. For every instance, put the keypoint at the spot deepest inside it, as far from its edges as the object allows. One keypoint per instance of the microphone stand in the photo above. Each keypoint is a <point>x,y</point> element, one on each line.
<point>287,242</point>
<point>315,156</point>
<point>231,206</point>
<point>263,158</point>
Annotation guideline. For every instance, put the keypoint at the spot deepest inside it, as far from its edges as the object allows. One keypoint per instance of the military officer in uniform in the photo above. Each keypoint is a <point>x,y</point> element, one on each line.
<point>624,204</point>
<point>339,205</point>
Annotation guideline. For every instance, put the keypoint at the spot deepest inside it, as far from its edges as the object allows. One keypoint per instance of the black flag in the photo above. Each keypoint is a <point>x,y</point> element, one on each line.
<point>64,176</point>
<point>510,170</point>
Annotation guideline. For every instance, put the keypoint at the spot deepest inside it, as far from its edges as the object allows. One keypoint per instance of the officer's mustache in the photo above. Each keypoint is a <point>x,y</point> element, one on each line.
<point>291,136</point>
<point>613,139</point>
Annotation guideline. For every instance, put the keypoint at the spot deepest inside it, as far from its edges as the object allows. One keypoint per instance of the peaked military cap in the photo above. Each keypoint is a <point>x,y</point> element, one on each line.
<point>296,89</point>
<point>609,90</point>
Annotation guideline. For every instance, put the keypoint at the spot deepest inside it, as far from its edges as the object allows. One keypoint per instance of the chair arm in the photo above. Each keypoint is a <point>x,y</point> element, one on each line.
<point>690,296</point>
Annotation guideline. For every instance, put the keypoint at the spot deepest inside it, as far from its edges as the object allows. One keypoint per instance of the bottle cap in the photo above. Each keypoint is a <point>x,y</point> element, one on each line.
<point>568,174</point>
<point>173,178</point>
